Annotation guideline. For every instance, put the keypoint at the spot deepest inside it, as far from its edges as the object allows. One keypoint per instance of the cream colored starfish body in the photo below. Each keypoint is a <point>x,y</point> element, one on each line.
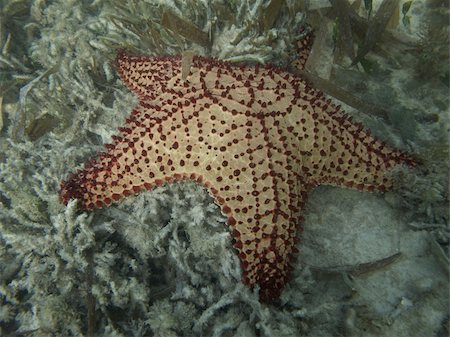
<point>259,139</point>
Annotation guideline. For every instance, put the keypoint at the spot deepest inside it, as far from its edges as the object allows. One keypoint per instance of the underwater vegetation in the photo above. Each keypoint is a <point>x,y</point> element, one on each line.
<point>162,264</point>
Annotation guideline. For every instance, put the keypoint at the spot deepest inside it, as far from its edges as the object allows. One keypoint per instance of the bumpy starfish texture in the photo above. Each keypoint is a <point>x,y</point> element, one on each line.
<point>257,137</point>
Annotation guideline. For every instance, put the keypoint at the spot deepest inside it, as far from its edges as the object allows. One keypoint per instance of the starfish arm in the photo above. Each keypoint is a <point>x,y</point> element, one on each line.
<point>131,163</point>
<point>147,76</point>
<point>340,152</point>
<point>304,47</point>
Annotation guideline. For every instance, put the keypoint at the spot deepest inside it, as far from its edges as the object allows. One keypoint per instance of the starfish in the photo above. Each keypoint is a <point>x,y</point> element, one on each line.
<point>259,138</point>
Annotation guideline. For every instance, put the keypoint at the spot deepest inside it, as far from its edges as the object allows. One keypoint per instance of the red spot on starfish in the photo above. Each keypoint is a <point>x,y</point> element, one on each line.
<point>259,139</point>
